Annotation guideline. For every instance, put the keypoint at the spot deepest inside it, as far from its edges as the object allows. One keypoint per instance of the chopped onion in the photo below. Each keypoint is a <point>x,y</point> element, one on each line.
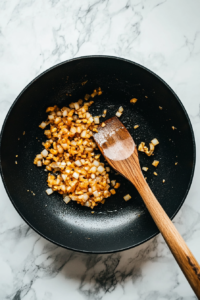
<point>39,163</point>
<point>118,114</point>
<point>155,142</point>
<point>155,163</point>
<point>100,169</point>
<point>66,199</point>
<point>96,163</point>
<point>50,117</point>
<point>145,169</point>
<point>43,125</point>
<point>75,175</point>
<point>127,197</point>
<point>96,120</point>
<point>49,191</point>
<point>76,106</point>
<point>120,109</point>
<point>64,113</point>
<point>44,153</point>
<point>64,176</point>
<point>113,182</point>
<point>133,100</point>
<point>93,170</point>
<point>78,163</point>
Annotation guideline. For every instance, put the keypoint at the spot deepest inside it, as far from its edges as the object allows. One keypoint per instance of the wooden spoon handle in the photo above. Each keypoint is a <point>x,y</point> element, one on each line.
<point>177,245</point>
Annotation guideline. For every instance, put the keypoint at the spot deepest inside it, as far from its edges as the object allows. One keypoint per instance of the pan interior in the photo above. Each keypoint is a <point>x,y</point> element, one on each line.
<point>117,224</point>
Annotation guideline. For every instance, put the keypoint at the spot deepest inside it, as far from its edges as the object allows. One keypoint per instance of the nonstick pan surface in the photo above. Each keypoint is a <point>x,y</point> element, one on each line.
<point>116,225</point>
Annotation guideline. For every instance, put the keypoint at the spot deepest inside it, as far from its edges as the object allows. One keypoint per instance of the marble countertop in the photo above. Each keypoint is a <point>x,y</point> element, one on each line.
<point>164,36</point>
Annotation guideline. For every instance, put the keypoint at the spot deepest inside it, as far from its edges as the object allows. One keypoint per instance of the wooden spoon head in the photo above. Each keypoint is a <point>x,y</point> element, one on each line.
<point>114,140</point>
<point>119,149</point>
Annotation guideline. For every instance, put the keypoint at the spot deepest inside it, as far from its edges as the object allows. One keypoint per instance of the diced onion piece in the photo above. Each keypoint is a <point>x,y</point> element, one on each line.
<point>64,113</point>
<point>50,108</point>
<point>151,146</point>
<point>43,125</point>
<point>47,132</point>
<point>117,185</point>
<point>133,100</point>
<point>78,163</point>
<point>57,120</point>
<point>107,169</point>
<point>39,163</point>
<point>113,182</point>
<point>155,142</point>
<point>83,134</point>
<point>76,105</point>
<point>103,124</point>
<point>155,173</point>
<point>44,153</point>
<point>113,191</point>
<point>87,96</point>
<point>50,117</point>
<point>90,119</point>
<point>60,149</point>
<point>145,169</point>
<point>96,120</point>
<point>176,163</point>
<point>141,147</point>
<point>127,197</point>
<point>96,193</point>
<point>160,107</point>
<point>136,126</point>
<point>71,105</point>
<point>73,198</point>
<point>73,130</point>
<point>120,109</point>
<point>96,163</point>
<point>163,181</point>
<point>64,176</point>
<point>84,197</point>
<point>100,169</point>
<point>104,113</point>
<point>174,128</point>
<point>87,115</point>
<point>118,114</point>
<point>155,163</point>
<point>66,199</point>
<point>75,175</point>
<point>93,170</point>
<point>49,191</point>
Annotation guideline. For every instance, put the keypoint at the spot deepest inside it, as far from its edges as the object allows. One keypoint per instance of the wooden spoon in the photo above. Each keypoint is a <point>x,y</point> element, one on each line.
<point>119,149</point>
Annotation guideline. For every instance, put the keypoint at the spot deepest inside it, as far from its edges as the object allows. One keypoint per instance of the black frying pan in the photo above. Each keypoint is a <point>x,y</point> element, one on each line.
<point>116,225</point>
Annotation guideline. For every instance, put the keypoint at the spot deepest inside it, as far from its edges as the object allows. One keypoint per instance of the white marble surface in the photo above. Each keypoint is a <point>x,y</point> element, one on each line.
<point>163,35</point>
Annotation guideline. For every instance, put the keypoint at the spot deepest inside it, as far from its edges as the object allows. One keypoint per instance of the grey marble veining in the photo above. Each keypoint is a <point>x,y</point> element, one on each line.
<point>163,35</point>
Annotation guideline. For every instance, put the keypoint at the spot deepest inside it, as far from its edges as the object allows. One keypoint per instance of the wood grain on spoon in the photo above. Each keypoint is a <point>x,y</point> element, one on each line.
<point>119,149</point>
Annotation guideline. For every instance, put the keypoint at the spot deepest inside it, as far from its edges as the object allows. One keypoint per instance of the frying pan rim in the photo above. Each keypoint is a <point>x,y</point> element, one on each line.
<point>188,122</point>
